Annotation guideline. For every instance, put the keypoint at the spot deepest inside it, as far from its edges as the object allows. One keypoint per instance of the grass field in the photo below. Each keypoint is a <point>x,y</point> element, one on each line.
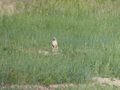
<point>88,33</point>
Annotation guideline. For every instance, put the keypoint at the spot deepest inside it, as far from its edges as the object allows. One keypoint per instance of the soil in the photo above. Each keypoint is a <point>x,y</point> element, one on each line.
<point>95,80</point>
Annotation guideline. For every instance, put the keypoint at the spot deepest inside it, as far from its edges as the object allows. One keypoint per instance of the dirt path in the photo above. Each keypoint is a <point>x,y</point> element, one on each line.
<point>38,87</point>
<point>95,80</point>
<point>108,81</point>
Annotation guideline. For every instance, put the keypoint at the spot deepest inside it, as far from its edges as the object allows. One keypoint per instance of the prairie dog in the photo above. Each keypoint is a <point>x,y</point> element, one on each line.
<point>54,45</point>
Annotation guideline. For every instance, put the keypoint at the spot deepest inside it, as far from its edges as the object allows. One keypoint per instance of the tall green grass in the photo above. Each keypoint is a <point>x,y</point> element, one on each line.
<point>87,32</point>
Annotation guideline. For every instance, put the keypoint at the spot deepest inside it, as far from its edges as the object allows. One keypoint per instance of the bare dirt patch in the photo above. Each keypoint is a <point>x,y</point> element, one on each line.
<point>10,7</point>
<point>38,87</point>
<point>7,7</point>
<point>96,80</point>
<point>107,81</point>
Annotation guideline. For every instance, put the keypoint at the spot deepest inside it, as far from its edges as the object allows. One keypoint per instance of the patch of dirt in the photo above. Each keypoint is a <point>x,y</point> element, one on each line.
<point>44,52</point>
<point>10,7</point>
<point>38,87</point>
<point>96,80</point>
<point>107,81</point>
<point>7,6</point>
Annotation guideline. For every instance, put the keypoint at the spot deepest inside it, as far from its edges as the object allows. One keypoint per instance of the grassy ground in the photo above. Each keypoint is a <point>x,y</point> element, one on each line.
<point>88,35</point>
